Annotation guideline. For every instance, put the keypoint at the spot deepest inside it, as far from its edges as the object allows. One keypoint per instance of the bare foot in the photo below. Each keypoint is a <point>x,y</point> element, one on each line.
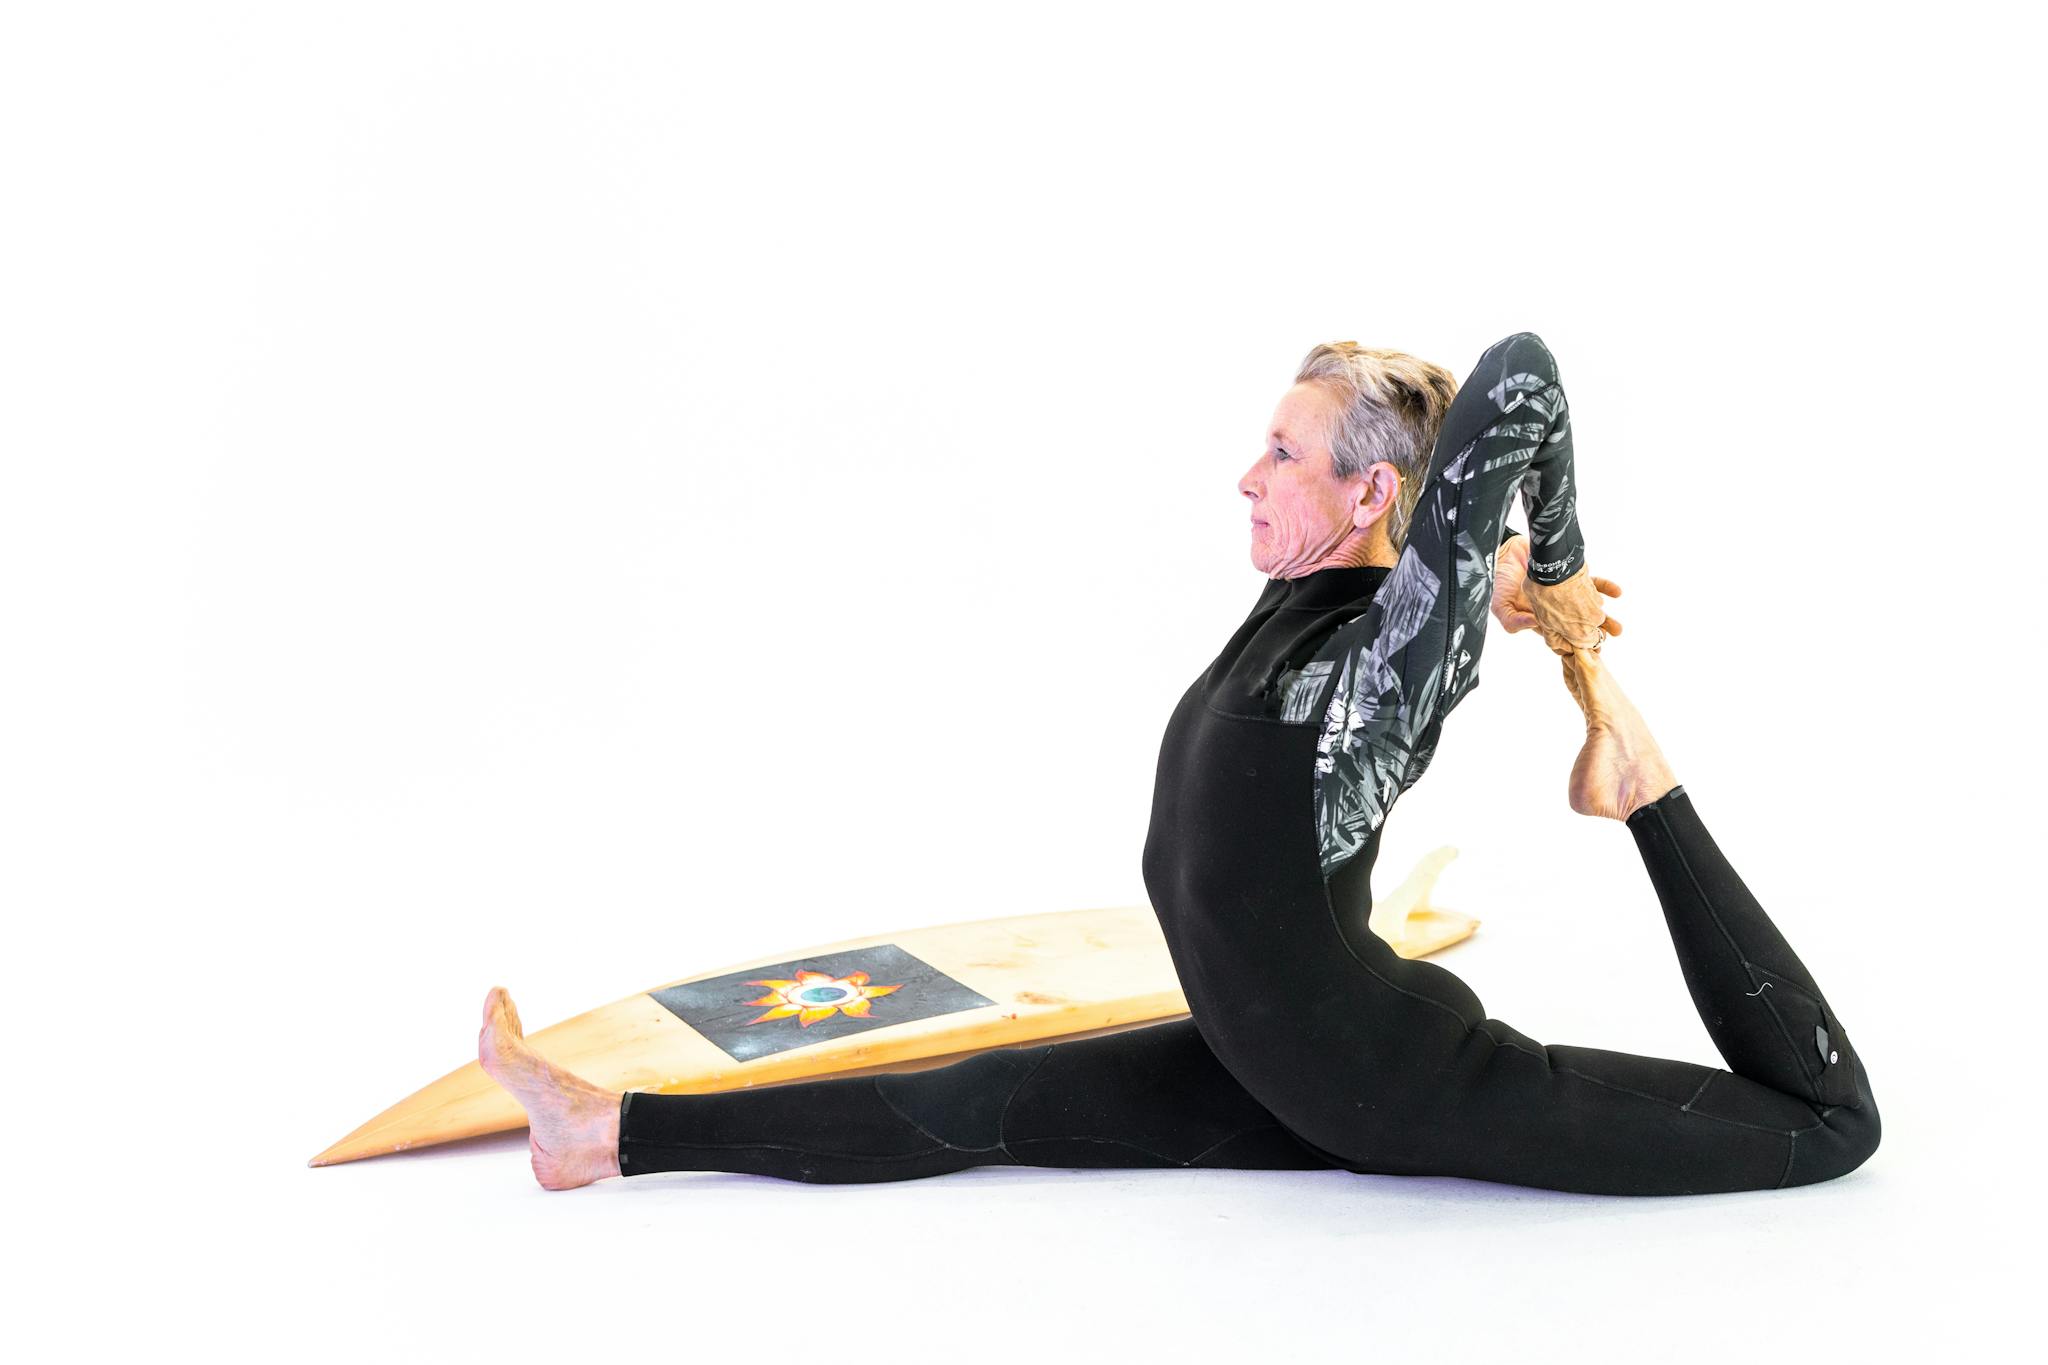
<point>574,1125</point>
<point>1620,769</point>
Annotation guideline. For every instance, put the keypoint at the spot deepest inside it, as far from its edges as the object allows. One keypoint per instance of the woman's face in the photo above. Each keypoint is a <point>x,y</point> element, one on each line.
<point>1300,510</point>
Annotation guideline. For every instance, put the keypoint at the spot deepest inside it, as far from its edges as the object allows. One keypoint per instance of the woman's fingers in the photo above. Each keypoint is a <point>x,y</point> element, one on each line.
<point>1613,589</point>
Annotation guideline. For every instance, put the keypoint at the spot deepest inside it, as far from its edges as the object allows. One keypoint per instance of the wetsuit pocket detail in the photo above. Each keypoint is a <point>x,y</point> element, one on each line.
<point>1806,1017</point>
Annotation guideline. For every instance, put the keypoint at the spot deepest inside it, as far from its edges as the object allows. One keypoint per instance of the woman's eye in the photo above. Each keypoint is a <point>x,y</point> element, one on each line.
<point>1281,454</point>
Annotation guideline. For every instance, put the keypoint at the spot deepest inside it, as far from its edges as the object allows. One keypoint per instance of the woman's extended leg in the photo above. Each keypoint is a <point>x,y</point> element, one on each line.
<point>1143,1097</point>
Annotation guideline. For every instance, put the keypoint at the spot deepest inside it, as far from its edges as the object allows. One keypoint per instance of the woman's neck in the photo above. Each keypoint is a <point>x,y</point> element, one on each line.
<point>1361,549</point>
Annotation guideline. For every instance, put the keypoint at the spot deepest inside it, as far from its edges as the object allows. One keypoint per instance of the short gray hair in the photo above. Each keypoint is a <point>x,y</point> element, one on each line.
<point>1390,407</point>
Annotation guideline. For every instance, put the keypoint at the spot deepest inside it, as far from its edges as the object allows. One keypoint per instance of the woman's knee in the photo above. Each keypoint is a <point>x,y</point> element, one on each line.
<point>1844,1139</point>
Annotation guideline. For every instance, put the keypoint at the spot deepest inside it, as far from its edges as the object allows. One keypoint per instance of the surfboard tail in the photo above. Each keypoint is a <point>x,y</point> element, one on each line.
<point>464,1103</point>
<point>628,1045</point>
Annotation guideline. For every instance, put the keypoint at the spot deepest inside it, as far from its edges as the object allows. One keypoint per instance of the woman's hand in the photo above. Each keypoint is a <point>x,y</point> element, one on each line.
<point>1571,610</point>
<point>1571,614</point>
<point>1510,568</point>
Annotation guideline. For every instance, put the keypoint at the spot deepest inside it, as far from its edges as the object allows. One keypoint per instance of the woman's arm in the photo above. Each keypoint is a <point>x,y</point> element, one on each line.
<point>1402,666</point>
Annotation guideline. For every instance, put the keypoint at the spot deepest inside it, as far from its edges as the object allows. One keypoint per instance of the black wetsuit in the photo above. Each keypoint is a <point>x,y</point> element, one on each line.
<point>1310,1042</point>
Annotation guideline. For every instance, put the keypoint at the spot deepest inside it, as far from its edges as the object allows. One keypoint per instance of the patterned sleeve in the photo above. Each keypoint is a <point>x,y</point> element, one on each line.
<point>1556,548</point>
<point>1402,666</point>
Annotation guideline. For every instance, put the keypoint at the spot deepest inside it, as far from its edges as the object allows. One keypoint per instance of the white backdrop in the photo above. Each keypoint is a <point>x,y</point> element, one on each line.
<point>572,496</point>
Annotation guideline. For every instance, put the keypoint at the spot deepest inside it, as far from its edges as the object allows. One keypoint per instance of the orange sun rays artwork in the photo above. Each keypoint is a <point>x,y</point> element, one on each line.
<point>817,995</point>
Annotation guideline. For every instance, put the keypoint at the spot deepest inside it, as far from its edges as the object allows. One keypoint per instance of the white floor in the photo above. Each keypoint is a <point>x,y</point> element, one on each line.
<point>457,1254</point>
<point>197,1202</point>
<point>1017,1265</point>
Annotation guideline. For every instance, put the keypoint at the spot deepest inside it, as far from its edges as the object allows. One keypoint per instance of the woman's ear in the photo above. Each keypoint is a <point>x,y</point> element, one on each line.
<point>1376,494</point>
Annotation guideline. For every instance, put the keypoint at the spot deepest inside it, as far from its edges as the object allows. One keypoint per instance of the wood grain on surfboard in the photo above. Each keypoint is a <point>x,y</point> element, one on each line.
<point>902,1001</point>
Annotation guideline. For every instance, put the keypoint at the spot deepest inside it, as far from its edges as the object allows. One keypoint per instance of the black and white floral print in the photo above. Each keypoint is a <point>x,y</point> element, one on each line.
<point>1299,688</point>
<point>1407,661</point>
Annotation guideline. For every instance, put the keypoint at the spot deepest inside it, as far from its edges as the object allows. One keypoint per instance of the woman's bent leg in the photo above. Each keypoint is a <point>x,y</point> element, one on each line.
<point>1444,1089</point>
<point>1142,1097</point>
<point>1766,1014</point>
<point>1503,1107</point>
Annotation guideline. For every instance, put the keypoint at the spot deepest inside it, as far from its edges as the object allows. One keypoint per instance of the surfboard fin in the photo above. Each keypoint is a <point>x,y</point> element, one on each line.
<point>1408,922</point>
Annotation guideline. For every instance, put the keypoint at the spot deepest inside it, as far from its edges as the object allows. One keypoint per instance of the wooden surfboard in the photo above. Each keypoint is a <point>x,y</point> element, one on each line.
<point>889,1002</point>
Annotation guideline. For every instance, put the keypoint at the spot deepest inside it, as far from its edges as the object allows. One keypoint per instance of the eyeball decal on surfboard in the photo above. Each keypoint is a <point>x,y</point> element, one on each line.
<point>816,996</point>
<point>814,999</point>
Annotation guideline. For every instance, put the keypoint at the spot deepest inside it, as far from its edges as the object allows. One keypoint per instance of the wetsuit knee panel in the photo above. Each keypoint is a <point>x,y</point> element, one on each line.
<point>962,1104</point>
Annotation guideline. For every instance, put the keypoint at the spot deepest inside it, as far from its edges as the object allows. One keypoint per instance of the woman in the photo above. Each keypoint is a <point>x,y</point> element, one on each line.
<point>1311,1043</point>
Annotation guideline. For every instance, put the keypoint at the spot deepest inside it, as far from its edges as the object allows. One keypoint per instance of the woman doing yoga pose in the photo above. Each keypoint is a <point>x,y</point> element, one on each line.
<point>1376,509</point>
